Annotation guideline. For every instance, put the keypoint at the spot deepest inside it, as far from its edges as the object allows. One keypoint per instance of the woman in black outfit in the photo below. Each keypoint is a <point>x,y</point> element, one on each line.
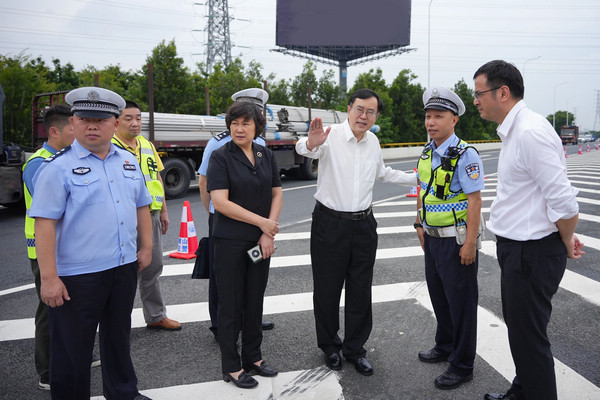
<point>245,188</point>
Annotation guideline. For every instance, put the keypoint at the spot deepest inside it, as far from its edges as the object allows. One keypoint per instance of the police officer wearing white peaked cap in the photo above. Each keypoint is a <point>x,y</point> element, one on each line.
<point>90,205</point>
<point>451,179</point>
<point>441,98</point>
<point>253,95</point>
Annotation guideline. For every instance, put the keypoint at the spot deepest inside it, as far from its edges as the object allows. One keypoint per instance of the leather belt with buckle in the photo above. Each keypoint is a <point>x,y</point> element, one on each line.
<point>354,216</point>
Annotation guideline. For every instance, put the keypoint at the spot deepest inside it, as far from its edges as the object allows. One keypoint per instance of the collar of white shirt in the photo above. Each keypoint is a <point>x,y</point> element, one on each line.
<point>506,125</point>
<point>350,135</point>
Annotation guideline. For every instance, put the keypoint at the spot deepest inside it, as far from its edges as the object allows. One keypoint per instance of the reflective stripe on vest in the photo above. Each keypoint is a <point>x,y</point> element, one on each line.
<point>30,222</point>
<point>149,170</point>
<point>440,206</point>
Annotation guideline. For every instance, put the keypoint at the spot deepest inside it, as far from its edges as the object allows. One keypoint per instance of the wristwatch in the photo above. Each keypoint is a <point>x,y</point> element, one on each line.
<point>417,225</point>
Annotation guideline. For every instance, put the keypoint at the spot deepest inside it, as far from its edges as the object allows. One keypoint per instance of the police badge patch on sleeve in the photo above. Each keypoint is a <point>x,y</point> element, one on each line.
<point>472,171</point>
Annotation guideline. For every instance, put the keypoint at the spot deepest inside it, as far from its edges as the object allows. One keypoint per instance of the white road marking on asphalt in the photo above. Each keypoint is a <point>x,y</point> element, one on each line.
<point>17,289</point>
<point>315,384</point>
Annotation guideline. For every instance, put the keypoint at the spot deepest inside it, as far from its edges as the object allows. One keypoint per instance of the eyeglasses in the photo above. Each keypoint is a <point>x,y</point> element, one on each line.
<point>358,111</point>
<point>478,94</point>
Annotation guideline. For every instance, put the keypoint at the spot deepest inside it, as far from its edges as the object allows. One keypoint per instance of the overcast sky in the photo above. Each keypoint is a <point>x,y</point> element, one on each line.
<point>555,44</point>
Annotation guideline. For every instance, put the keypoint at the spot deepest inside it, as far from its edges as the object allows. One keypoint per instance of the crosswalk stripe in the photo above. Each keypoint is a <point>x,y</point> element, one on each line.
<point>318,383</point>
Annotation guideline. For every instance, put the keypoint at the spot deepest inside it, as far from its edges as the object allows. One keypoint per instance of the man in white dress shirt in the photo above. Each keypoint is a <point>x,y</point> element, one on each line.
<point>343,235</point>
<point>534,217</point>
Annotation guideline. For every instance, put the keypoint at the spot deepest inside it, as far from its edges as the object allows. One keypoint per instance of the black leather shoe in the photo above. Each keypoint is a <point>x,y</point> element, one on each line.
<point>450,380</point>
<point>268,325</point>
<point>244,381</point>
<point>263,369</point>
<point>432,356</point>
<point>363,366</point>
<point>499,396</point>
<point>333,361</point>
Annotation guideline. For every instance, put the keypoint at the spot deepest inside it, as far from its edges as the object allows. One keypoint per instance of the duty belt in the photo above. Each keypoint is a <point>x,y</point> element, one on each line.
<point>354,216</point>
<point>448,231</point>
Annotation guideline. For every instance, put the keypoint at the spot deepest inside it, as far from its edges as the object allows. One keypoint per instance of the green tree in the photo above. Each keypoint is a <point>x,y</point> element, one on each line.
<point>560,119</point>
<point>225,81</point>
<point>406,109</point>
<point>328,91</point>
<point>22,78</point>
<point>300,84</point>
<point>172,82</point>
<point>470,125</point>
<point>111,78</point>
<point>65,78</point>
<point>278,90</point>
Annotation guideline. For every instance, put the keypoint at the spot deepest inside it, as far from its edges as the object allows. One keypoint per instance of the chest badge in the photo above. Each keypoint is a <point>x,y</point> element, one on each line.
<point>81,170</point>
<point>129,167</point>
<point>258,154</point>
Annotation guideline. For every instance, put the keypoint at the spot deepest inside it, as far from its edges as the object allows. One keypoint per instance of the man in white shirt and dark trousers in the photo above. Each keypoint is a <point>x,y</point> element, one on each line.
<point>534,217</point>
<point>343,234</point>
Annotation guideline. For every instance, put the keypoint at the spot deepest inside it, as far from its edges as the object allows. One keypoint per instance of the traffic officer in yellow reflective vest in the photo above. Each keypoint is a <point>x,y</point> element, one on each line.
<point>57,124</point>
<point>128,137</point>
<point>448,224</point>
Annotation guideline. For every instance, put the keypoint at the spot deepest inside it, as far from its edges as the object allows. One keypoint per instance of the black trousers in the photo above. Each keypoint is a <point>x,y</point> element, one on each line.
<point>454,295</point>
<point>342,252</point>
<point>104,298</point>
<point>241,285</point>
<point>213,294</point>
<point>531,272</point>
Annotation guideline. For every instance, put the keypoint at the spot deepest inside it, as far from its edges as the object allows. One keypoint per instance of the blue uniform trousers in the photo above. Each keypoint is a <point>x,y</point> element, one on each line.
<point>454,295</point>
<point>531,273</point>
<point>104,298</point>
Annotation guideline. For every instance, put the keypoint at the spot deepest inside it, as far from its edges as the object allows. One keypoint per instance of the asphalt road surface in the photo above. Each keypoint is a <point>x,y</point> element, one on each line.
<point>186,364</point>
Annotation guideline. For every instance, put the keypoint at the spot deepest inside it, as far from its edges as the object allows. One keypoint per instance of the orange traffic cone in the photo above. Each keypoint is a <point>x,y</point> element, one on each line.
<point>188,242</point>
<point>579,150</point>
<point>565,149</point>
<point>414,190</point>
<point>588,148</point>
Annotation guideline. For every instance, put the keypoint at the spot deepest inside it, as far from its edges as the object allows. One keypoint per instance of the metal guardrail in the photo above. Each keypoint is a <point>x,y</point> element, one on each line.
<point>420,144</point>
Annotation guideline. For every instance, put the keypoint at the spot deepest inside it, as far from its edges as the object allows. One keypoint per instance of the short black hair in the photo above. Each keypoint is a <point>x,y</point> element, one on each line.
<point>248,111</point>
<point>500,72</point>
<point>365,94</point>
<point>130,104</point>
<point>58,116</point>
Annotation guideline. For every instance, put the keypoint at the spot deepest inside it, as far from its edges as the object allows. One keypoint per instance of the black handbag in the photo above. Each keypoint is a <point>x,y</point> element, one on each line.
<point>201,265</point>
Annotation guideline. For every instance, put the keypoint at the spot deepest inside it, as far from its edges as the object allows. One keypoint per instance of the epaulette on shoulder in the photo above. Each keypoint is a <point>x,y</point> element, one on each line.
<point>222,135</point>
<point>58,154</point>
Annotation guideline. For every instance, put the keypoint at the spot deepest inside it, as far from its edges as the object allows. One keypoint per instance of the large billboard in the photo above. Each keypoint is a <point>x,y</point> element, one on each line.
<point>343,23</point>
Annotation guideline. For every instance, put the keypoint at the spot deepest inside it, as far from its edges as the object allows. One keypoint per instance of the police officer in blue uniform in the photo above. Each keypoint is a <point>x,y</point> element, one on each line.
<point>90,203</point>
<point>258,97</point>
<point>448,225</point>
